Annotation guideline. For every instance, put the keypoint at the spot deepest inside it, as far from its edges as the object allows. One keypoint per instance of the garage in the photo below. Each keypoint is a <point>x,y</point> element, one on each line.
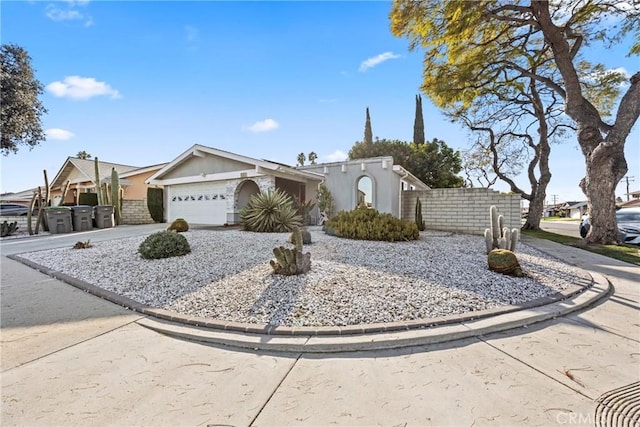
<point>198,203</point>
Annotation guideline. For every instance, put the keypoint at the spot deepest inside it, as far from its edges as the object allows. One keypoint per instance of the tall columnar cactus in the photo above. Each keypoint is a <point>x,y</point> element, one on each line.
<point>65,189</point>
<point>96,167</point>
<point>499,236</point>
<point>418,214</point>
<point>115,194</point>
<point>290,262</point>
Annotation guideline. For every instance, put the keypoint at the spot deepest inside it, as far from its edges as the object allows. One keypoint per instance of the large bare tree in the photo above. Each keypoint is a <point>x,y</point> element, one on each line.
<point>472,47</point>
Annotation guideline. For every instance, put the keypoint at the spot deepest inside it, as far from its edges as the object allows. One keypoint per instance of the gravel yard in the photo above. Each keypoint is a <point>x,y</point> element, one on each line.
<point>227,277</point>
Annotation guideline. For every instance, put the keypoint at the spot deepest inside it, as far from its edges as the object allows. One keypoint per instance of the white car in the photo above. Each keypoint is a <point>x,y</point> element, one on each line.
<point>628,225</point>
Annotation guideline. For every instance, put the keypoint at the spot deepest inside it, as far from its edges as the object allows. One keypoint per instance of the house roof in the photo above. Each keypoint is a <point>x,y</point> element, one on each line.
<point>574,205</point>
<point>86,168</point>
<point>198,150</point>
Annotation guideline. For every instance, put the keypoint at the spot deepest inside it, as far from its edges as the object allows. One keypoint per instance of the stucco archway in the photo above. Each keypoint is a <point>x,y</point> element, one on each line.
<point>244,192</point>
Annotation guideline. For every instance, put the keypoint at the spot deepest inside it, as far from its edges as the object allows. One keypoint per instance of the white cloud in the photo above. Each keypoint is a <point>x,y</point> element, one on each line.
<point>76,87</point>
<point>59,134</point>
<point>336,156</point>
<point>70,13</point>
<point>264,126</point>
<point>376,60</point>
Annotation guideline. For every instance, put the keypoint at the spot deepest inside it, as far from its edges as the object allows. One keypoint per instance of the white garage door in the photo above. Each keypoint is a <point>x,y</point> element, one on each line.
<point>200,203</point>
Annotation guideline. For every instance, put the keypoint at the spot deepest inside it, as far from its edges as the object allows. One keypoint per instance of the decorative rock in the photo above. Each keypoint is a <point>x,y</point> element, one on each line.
<point>505,262</point>
<point>180,225</point>
<point>227,276</point>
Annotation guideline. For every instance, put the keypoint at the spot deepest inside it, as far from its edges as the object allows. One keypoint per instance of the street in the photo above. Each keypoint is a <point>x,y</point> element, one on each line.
<point>566,228</point>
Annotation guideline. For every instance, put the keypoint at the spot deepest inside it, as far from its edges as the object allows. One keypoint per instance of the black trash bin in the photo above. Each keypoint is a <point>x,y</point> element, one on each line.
<point>81,217</point>
<point>104,216</point>
<point>58,219</point>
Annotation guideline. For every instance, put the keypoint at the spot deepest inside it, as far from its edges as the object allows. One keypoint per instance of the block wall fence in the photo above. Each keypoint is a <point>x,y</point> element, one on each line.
<point>461,210</point>
<point>136,212</point>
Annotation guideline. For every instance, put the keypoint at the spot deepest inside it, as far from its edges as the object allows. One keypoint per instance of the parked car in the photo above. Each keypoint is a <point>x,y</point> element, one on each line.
<point>13,209</point>
<point>628,225</point>
<point>584,225</point>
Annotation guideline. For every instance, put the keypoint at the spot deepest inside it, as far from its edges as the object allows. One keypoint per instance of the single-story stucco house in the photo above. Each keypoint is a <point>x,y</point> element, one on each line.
<point>208,186</point>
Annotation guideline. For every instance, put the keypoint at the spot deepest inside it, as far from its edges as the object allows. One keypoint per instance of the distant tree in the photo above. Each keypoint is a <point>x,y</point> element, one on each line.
<point>434,163</point>
<point>313,157</point>
<point>418,124</point>
<point>83,155</point>
<point>20,107</point>
<point>368,134</point>
<point>301,159</point>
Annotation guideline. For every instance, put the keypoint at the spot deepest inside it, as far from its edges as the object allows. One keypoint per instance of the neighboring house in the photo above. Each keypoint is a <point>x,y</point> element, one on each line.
<point>21,198</point>
<point>205,185</point>
<point>80,173</point>
<point>634,202</point>
<point>375,181</point>
<point>574,209</point>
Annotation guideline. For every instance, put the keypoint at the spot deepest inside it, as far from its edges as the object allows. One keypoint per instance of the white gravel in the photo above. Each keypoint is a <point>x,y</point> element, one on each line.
<point>227,276</point>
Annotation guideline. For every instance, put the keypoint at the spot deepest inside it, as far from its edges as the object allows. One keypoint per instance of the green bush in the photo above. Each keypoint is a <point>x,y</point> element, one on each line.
<point>369,224</point>
<point>164,244</point>
<point>180,225</point>
<point>271,212</point>
<point>155,204</point>
<point>90,199</point>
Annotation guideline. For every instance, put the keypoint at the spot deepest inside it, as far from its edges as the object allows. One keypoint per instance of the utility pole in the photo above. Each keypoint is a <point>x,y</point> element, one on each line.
<point>555,199</point>
<point>628,180</point>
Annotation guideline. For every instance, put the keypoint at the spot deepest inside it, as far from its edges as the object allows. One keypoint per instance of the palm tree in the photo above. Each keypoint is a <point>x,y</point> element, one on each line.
<point>301,159</point>
<point>312,157</point>
<point>83,155</point>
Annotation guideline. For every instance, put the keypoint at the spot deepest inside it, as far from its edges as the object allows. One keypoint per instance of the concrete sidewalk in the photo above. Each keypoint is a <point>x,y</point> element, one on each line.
<point>69,358</point>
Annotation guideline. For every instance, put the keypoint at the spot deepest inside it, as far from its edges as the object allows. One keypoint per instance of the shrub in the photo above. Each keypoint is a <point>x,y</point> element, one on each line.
<point>270,212</point>
<point>180,225</point>
<point>90,199</point>
<point>155,204</point>
<point>164,244</point>
<point>369,224</point>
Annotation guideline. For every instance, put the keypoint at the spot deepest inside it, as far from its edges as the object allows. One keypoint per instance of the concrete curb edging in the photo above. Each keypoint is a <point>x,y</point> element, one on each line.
<point>355,337</point>
<point>382,341</point>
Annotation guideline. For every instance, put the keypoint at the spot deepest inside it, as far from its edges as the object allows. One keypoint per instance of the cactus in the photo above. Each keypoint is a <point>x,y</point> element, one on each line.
<point>306,237</point>
<point>7,229</point>
<point>291,262</point>
<point>104,193</point>
<point>418,215</point>
<point>115,195</point>
<point>499,236</point>
<point>98,190</point>
<point>65,189</point>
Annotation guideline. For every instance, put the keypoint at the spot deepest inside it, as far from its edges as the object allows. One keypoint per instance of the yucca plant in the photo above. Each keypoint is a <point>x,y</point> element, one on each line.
<point>270,212</point>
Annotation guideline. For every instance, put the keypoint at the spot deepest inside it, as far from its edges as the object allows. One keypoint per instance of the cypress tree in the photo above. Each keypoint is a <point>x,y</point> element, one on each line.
<point>368,135</point>
<point>418,124</point>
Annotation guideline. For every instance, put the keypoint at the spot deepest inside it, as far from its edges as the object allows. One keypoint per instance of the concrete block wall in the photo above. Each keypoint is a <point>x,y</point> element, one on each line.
<point>461,210</point>
<point>136,212</point>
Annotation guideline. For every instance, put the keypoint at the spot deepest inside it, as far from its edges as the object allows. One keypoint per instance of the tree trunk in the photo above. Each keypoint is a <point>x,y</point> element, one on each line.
<point>605,168</point>
<point>536,209</point>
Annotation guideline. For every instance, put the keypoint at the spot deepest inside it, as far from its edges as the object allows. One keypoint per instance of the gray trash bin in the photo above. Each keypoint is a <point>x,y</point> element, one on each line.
<point>81,217</point>
<point>58,219</point>
<point>104,216</point>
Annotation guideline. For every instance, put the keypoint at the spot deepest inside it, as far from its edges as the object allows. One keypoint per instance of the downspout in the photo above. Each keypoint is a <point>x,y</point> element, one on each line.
<point>406,174</point>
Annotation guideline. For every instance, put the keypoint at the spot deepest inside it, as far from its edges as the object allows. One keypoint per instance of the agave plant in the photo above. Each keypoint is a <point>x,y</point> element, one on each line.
<point>270,212</point>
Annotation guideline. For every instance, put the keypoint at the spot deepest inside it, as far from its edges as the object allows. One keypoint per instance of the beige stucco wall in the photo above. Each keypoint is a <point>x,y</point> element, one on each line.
<point>208,165</point>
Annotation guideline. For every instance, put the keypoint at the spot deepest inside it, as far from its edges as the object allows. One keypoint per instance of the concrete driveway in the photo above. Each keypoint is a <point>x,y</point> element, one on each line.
<point>69,358</point>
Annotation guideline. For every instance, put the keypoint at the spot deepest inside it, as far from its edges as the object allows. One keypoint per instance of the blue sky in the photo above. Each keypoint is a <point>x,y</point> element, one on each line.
<point>140,82</point>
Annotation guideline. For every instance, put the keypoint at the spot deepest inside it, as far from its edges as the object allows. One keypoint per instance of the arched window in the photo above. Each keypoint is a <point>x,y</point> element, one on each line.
<point>364,192</point>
